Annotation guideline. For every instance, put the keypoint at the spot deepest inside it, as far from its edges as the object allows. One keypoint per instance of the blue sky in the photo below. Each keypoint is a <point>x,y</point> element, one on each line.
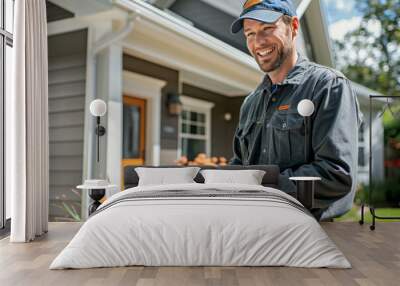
<point>342,17</point>
<point>340,10</point>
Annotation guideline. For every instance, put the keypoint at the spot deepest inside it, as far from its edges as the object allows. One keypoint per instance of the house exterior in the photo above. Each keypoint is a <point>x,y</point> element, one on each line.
<point>136,56</point>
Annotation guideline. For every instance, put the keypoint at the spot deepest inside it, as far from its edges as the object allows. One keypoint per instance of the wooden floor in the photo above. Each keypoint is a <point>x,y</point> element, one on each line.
<point>375,257</point>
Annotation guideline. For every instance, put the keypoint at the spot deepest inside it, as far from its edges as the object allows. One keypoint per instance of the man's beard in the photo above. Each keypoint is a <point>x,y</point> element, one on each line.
<point>282,56</point>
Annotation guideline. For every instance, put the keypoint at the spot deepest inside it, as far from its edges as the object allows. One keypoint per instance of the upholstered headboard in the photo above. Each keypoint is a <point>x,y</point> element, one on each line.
<point>270,179</point>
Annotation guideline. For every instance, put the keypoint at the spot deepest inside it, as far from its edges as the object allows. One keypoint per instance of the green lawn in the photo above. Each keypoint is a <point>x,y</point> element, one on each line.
<point>355,215</point>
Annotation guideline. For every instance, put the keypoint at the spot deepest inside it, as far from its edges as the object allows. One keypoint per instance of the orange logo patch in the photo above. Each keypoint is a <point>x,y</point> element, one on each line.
<point>251,3</point>
<point>283,107</point>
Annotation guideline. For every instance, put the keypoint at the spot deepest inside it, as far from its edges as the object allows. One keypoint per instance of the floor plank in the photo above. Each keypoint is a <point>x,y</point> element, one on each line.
<point>374,255</point>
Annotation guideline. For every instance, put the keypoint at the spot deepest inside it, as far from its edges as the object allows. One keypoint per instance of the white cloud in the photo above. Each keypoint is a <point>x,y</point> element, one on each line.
<point>341,5</point>
<point>340,28</point>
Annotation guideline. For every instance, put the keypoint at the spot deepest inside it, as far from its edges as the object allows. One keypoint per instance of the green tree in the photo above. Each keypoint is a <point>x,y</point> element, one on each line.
<point>370,54</point>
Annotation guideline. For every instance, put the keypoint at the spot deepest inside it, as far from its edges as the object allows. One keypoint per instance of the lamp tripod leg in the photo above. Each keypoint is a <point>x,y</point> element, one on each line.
<point>372,210</point>
<point>361,221</point>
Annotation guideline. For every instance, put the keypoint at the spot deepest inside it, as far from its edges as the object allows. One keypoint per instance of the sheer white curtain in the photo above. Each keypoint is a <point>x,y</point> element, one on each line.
<point>27,124</point>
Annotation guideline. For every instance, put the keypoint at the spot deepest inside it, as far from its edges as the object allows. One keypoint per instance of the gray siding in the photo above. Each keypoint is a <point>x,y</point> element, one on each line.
<point>210,20</point>
<point>67,73</point>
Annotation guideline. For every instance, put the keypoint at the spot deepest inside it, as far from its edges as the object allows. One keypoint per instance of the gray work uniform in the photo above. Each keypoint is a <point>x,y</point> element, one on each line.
<point>271,131</point>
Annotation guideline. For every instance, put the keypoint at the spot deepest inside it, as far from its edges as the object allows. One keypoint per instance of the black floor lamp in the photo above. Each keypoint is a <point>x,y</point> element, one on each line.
<point>306,185</point>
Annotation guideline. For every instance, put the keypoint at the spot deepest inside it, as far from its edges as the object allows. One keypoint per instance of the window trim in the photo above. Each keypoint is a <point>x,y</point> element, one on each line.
<point>6,34</point>
<point>363,144</point>
<point>198,105</point>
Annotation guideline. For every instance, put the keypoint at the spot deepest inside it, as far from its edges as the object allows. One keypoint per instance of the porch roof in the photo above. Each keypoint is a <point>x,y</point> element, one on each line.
<point>201,57</point>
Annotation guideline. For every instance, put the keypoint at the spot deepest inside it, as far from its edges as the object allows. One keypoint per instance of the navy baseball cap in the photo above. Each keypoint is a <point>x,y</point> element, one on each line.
<point>267,11</point>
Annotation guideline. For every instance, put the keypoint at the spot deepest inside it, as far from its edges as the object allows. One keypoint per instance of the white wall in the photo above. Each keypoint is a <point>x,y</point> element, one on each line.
<point>378,170</point>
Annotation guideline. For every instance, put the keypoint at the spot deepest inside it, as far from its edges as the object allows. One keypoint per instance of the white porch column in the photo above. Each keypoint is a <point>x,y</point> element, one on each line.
<point>104,81</point>
<point>109,88</point>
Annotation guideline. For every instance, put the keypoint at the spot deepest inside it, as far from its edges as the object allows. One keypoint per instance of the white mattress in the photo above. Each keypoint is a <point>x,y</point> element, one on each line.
<point>191,231</point>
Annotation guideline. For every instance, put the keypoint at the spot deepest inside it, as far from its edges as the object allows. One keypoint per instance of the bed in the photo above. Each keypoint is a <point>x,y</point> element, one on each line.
<point>201,224</point>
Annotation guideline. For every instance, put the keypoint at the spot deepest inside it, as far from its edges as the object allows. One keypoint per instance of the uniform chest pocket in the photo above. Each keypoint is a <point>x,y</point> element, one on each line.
<point>288,137</point>
<point>287,121</point>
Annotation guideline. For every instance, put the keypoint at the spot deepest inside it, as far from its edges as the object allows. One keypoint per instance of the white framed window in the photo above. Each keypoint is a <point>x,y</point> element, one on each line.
<point>362,148</point>
<point>194,127</point>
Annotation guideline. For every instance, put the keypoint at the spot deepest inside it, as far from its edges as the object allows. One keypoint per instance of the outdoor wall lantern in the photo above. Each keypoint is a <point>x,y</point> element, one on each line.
<point>228,116</point>
<point>174,104</point>
<point>98,108</point>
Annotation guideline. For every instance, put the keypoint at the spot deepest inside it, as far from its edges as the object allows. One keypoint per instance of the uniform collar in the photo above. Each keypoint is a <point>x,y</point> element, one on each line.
<point>294,76</point>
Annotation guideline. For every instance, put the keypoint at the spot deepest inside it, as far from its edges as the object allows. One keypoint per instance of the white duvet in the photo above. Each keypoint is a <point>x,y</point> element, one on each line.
<point>202,231</point>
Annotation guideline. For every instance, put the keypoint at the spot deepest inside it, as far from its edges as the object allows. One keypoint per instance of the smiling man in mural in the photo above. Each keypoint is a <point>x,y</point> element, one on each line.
<point>271,131</point>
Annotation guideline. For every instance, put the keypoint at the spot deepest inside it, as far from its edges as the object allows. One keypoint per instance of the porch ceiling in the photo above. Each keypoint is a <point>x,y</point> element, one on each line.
<point>210,84</point>
<point>81,8</point>
<point>200,58</point>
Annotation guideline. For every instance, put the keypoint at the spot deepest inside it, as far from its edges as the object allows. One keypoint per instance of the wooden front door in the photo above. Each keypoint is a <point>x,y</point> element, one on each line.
<point>134,125</point>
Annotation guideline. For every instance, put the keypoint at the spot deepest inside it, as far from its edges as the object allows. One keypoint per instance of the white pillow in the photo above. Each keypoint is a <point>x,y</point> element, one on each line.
<point>248,177</point>
<point>166,176</point>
